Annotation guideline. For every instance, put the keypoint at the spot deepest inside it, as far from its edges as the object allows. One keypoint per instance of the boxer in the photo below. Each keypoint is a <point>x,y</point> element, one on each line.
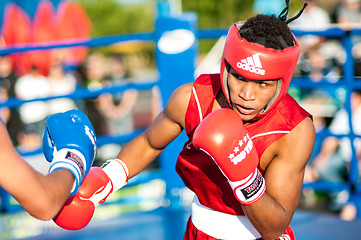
<point>249,141</point>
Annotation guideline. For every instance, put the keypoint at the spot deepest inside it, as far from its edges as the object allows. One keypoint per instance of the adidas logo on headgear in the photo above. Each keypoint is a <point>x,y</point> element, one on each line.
<point>252,64</point>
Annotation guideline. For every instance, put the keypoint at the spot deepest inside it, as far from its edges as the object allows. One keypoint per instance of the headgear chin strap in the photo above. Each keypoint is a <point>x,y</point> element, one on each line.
<point>257,62</point>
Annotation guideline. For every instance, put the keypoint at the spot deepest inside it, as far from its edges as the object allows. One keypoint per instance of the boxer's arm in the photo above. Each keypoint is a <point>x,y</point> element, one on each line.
<point>273,212</point>
<point>170,122</point>
<point>41,196</point>
<point>100,183</point>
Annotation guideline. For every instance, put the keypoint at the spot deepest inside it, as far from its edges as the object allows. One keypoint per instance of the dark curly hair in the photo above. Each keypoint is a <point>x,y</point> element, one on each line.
<point>267,30</point>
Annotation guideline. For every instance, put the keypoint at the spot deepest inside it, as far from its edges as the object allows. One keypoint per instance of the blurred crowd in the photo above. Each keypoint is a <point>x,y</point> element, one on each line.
<point>321,61</point>
<point>111,114</point>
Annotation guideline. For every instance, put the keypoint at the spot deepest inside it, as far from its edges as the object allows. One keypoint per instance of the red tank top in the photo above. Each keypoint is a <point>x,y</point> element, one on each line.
<point>199,172</point>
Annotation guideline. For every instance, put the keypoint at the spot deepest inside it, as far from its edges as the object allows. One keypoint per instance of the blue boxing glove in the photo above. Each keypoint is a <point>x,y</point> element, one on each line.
<point>69,142</point>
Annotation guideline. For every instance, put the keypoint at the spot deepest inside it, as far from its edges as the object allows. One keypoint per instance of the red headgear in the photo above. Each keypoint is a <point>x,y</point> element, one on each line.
<point>257,62</point>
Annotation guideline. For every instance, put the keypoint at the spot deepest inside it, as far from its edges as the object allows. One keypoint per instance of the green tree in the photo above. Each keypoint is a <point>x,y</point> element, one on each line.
<point>110,17</point>
<point>219,14</point>
<point>222,13</point>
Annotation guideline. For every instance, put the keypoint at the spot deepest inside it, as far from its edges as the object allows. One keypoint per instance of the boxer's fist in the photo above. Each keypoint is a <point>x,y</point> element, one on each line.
<point>95,189</point>
<point>223,137</point>
<point>69,142</point>
<point>76,213</point>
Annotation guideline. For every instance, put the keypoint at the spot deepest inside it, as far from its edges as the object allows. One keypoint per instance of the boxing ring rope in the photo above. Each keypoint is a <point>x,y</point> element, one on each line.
<point>347,81</point>
<point>83,93</point>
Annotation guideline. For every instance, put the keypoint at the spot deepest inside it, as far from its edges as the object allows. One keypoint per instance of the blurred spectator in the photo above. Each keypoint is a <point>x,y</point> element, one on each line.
<point>4,111</point>
<point>315,66</point>
<point>94,76</point>
<point>331,7</point>
<point>7,75</point>
<point>61,83</point>
<point>117,109</point>
<point>321,59</point>
<point>95,70</point>
<point>30,86</point>
<point>348,14</point>
<point>8,79</point>
<point>95,73</point>
<point>313,18</point>
<point>332,162</point>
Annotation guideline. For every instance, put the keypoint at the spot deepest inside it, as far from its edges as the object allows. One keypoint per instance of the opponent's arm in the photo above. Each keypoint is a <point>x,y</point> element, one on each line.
<point>69,143</point>
<point>287,158</point>
<point>41,196</point>
<point>100,183</point>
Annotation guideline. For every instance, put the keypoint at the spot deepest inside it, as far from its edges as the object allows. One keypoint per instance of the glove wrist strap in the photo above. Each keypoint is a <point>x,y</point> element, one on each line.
<point>250,189</point>
<point>72,160</point>
<point>117,171</point>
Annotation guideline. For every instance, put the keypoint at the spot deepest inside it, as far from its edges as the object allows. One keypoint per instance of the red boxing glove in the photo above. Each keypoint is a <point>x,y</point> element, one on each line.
<point>223,137</point>
<point>95,189</point>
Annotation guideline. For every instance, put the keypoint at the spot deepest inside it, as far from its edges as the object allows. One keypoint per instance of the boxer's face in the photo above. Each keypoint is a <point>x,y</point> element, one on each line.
<point>249,97</point>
